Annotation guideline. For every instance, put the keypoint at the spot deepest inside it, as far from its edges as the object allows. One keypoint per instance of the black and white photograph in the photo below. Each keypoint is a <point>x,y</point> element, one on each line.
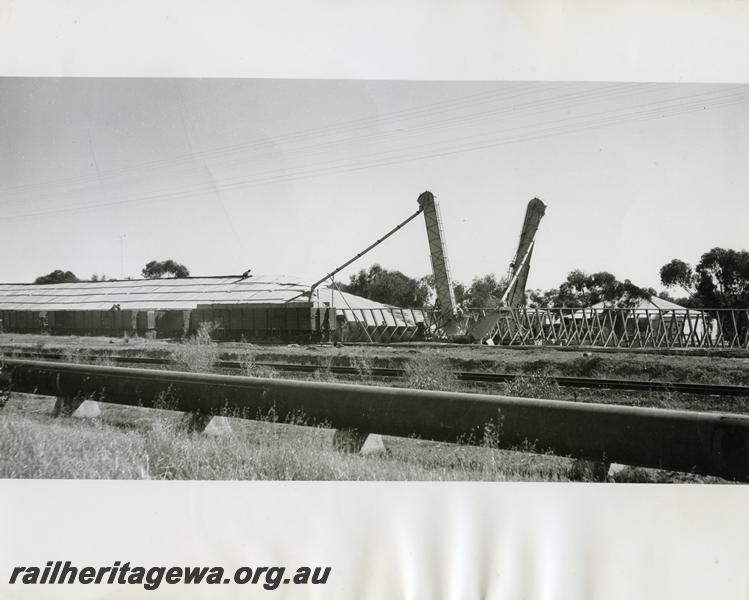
<point>397,280</point>
<point>348,300</point>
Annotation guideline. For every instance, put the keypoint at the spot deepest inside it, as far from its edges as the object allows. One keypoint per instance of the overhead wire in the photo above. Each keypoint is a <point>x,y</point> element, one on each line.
<point>533,107</point>
<point>196,156</point>
<point>456,121</point>
<point>647,111</point>
<point>301,175</point>
<point>186,128</point>
<point>327,130</point>
<point>544,104</point>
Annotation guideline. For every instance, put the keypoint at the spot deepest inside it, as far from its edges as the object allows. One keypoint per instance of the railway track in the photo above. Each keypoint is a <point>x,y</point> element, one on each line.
<point>689,441</point>
<point>703,389</point>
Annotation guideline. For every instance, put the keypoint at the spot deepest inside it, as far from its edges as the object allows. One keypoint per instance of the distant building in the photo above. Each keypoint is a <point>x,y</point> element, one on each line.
<point>653,319</point>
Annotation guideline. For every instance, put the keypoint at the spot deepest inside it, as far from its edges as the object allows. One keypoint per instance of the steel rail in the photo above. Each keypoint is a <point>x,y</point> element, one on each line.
<point>701,389</point>
<point>706,443</point>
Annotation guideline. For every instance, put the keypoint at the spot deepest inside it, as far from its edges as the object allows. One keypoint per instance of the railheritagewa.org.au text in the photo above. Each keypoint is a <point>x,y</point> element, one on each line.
<point>125,573</point>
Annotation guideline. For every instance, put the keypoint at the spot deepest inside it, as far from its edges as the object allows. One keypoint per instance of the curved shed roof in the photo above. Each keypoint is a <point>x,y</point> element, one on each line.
<point>175,294</point>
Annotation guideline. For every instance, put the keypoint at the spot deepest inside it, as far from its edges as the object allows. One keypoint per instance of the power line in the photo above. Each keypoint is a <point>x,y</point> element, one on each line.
<point>526,108</point>
<point>646,111</point>
<point>344,126</point>
<point>544,105</point>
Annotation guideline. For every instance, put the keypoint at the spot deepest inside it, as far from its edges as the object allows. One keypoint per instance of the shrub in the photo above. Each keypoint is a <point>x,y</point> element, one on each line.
<point>324,373</point>
<point>585,366</point>
<point>430,373</point>
<point>250,368</point>
<point>363,366</point>
<point>539,385</point>
<point>198,353</point>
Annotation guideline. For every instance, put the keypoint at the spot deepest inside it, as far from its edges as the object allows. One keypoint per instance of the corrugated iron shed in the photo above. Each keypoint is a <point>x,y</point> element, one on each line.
<point>174,294</point>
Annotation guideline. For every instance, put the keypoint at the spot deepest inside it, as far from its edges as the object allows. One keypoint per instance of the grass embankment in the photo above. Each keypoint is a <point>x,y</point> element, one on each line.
<point>139,443</point>
<point>134,443</point>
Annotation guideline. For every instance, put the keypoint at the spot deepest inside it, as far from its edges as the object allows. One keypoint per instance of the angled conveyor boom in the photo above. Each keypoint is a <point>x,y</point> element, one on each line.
<point>438,255</point>
<point>490,324</point>
<point>515,293</point>
<point>443,283</point>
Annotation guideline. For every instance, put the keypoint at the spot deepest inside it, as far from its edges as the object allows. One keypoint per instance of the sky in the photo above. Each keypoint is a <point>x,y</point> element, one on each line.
<point>294,177</point>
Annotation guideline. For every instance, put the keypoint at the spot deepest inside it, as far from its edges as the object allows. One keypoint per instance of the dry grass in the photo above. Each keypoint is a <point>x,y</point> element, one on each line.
<point>138,443</point>
<point>324,373</point>
<point>133,443</point>
<point>197,353</point>
<point>31,448</point>
<point>251,368</point>
<point>363,365</point>
<point>536,385</point>
<point>430,372</point>
<point>688,367</point>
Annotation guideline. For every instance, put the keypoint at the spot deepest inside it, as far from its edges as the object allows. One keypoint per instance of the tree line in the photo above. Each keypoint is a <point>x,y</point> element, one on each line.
<point>579,289</point>
<point>719,280</point>
<point>154,269</point>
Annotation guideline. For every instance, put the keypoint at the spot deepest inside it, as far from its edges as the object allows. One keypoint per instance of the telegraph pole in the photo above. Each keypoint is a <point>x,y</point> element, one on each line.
<point>122,255</point>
